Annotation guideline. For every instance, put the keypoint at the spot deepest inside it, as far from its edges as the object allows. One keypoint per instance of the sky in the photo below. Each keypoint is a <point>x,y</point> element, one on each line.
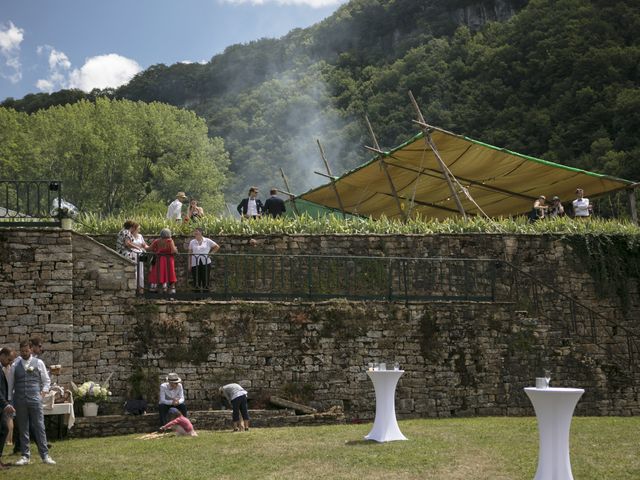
<point>47,45</point>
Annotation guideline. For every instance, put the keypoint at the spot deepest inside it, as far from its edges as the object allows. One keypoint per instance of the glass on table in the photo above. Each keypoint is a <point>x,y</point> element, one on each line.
<point>396,366</point>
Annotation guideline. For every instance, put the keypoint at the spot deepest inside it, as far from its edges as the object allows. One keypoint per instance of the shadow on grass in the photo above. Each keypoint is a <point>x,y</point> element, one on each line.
<point>355,443</point>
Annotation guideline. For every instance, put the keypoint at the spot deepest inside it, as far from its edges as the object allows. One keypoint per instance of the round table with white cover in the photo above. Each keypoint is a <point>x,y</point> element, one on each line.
<point>385,426</point>
<point>554,409</point>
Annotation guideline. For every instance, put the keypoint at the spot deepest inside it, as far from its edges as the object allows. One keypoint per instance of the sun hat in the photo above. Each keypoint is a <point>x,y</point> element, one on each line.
<point>181,195</point>
<point>555,198</point>
<point>173,378</point>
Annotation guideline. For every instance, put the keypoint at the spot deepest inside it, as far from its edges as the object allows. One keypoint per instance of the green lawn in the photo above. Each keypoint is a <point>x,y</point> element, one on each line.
<point>476,448</point>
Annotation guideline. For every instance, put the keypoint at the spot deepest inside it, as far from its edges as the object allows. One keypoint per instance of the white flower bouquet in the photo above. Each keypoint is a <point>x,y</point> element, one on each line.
<point>90,392</point>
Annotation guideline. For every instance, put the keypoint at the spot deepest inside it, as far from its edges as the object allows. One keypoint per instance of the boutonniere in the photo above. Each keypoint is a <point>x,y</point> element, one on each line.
<point>29,368</point>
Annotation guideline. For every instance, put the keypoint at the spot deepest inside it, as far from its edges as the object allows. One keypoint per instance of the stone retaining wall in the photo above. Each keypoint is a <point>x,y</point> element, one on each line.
<point>109,425</point>
<point>460,358</point>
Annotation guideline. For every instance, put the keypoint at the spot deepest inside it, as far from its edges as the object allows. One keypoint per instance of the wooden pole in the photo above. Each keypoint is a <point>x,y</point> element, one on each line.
<point>632,205</point>
<point>333,180</point>
<point>428,140</point>
<point>383,164</point>
<point>291,196</point>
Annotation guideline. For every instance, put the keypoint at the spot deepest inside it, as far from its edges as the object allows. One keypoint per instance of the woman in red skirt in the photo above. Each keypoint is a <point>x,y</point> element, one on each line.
<point>163,270</point>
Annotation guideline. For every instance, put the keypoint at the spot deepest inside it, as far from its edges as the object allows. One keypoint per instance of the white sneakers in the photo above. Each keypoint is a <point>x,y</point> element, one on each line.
<point>25,461</point>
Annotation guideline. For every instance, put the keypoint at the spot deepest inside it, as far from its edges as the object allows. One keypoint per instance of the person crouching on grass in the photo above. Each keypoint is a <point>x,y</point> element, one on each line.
<point>237,397</point>
<point>179,424</point>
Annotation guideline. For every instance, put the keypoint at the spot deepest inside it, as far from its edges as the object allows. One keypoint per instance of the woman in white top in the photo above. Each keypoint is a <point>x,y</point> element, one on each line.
<point>138,246</point>
<point>200,262</point>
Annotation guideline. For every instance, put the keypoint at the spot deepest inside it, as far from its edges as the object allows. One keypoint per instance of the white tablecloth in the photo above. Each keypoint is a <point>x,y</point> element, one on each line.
<point>65,409</point>
<point>554,408</point>
<point>385,426</point>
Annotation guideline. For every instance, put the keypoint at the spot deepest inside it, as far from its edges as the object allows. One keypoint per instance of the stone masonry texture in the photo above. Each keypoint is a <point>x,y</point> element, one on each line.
<point>461,358</point>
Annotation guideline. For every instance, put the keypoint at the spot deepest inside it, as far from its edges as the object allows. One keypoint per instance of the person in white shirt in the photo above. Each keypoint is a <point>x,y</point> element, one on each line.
<point>28,380</point>
<point>200,249</point>
<point>251,207</point>
<point>237,397</point>
<point>171,396</point>
<point>581,206</point>
<point>174,211</point>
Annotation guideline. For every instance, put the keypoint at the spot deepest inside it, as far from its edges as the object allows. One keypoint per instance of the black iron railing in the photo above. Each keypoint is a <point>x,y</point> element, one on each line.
<point>30,203</point>
<point>319,277</point>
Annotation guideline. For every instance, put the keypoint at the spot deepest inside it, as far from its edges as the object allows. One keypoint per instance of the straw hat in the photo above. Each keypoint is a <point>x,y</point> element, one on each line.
<point>173,378</point>
<point>181,196</point>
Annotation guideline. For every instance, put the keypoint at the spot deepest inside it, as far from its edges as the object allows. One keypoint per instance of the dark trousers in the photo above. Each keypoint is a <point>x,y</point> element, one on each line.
<point>239,405</point>
<point>200,275</point>
<point>4,430</point>
<point>163,410</point>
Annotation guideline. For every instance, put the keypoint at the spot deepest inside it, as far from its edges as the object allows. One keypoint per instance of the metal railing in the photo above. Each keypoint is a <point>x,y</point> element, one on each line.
<point>579,323</point>
<point>30,203</point>
<point>317,277</point>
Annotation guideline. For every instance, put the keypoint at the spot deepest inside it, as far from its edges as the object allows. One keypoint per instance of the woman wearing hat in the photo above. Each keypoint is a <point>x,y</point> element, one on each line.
<point>171,396</point>
<point>174,211</point>
<point>556,209</point>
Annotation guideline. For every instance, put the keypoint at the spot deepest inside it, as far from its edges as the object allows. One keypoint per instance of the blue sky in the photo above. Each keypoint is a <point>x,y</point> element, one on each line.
<point>46,45</point>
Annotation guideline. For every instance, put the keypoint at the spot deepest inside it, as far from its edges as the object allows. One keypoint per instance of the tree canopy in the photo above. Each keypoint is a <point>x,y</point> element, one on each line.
<point>555,79</point>
<point>115,155</point>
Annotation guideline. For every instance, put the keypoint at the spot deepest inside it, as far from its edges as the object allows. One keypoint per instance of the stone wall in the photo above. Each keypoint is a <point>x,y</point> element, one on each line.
<point>461,358</point>
<point>108,425</point>
<point>36,291</point>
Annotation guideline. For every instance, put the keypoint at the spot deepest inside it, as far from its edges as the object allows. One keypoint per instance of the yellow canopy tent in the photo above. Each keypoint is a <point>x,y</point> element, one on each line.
<point>501,182</point>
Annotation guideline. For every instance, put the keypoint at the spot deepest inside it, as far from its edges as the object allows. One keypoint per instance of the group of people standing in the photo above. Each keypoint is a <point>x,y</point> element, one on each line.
<point>23,382</point>
<point>162,274</point>
<point>252,207</point>
<point>581,207</point>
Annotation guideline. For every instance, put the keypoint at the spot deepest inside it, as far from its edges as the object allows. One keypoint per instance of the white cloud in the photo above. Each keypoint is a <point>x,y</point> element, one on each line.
<point>45,85</point>
<point>104,71</point>
<point>310,3</point>
<point>10,39</point>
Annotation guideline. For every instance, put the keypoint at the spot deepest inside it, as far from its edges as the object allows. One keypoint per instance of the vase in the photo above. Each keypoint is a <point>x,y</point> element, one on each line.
<point>90,409</point>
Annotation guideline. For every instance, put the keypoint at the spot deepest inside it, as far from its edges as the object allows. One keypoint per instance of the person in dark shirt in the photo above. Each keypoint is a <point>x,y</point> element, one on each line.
<point>274,205</point>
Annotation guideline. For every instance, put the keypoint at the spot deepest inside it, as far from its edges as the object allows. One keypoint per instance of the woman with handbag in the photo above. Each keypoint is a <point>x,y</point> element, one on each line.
<point>163,271</point>
<point>139,247</point>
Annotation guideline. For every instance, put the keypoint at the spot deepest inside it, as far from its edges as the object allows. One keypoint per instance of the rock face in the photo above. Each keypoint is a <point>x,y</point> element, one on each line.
<point>460,357</point>
<point>477,14</point>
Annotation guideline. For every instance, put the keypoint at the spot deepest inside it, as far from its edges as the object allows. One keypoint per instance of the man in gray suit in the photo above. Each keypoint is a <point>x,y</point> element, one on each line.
<point>29,380</point>
<point>6,409</point>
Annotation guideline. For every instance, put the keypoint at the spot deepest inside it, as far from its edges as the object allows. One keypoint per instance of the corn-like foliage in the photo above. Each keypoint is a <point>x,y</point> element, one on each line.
<point>335,224</point>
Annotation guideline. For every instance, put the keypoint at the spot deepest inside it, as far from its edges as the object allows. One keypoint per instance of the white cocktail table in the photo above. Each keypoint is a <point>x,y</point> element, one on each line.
<point>385,426</point>
<point>554,408</point>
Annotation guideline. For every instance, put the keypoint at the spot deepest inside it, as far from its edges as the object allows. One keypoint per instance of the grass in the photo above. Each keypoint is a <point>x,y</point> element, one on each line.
<point>501,448</point>
<point>332,224</point>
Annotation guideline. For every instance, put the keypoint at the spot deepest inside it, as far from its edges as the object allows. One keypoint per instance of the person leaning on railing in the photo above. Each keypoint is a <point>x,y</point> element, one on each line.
<point>199,260</point>
<point>163,269</point>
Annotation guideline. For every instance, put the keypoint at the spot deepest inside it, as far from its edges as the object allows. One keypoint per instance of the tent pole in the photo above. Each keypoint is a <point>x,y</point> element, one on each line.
<point>383,164</point>
<point>632,205</point>
<point>333,181</point>
<point>291,196</point>
<point>429,142</point>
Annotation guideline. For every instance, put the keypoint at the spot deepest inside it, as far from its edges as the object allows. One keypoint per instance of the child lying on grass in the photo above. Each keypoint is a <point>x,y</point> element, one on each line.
<point>178,423</point>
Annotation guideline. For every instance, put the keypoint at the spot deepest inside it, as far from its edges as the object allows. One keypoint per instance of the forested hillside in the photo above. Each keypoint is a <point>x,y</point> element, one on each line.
<point>557,79</point>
